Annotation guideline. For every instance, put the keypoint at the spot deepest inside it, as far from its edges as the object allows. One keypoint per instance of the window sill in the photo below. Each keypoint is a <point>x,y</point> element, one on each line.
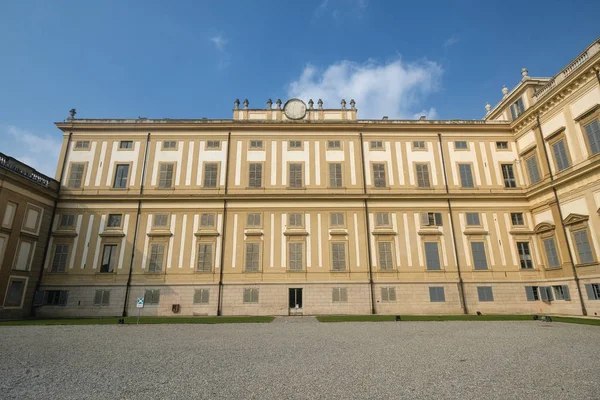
<point>64,234</point>
<point>295,188</point>
<point>111,233</point>
<point>160,233</point>
<point>587,264</point>
<point>106,273</point>
<point>206,233</point>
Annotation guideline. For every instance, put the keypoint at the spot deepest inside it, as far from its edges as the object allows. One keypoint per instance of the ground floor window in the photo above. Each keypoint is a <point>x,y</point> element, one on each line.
<point>102,297</point>
<point>593,291</point>
<point>14,294</point>
<point>388,294</point>
<point>152,297</point>
<point>436,294</point>
<point>339,295</point>
<point>485,293</point>
<point>56,297</point>
<point>201,296</point>
<point>251,295</point>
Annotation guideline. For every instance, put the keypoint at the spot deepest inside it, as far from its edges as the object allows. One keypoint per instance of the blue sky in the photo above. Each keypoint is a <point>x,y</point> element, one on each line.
<point>191,59</point>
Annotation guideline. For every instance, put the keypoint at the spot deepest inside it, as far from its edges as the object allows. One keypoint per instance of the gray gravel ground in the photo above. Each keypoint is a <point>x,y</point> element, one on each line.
<point>288,359</point>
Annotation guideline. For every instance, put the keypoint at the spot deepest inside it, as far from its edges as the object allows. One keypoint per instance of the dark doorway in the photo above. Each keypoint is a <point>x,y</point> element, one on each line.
<point>295,297</point>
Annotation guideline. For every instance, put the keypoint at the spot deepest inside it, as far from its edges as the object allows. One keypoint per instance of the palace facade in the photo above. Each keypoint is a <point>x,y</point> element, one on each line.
<point>301,209</point>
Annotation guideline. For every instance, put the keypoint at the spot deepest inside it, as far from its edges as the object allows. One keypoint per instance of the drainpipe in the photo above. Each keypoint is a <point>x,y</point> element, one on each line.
<point>368,224</point>
<point>461,285</point>
<point>137,224</point>
<point>46,246</point>
<point>564,229</point>
<point>220,298</point>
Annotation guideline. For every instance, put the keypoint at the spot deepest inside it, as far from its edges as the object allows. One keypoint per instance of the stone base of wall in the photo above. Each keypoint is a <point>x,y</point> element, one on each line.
<point>411,298</point>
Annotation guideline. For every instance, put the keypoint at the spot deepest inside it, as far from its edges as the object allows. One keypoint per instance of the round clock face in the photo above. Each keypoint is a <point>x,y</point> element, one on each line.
<point>294,109</point>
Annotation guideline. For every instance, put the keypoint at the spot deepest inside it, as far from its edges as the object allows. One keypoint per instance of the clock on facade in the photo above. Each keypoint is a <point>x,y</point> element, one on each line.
<point>294,109</point>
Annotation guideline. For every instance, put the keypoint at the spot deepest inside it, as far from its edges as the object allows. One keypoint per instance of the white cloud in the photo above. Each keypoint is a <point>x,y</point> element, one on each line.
<point>219,42</point>
<point>396,89</point>
<point>451,41</point>
<point>38,151</point>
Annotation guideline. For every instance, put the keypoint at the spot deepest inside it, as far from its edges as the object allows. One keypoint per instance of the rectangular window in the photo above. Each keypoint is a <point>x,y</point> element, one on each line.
<point>432,256</point>
<point>561,292</point>
<point>102,297</point>
<point>295,144</point>
<point>251,295</point>
<point>255,175</point>
<point>517,108</point>
<point>157,252</point>
<point>423,175</point>
<point>295,219</point>
<point>335,175</point>
<point>121,176</point>
<point>152,297</point>
<point>388,294</point>
<point>9,214</point>
<point>296,180</point>
<point>253,219</point>
<point>382,219</point>
<point>207,220</point>
<point>509,176</point>
<point>593,291</point>
<point>59,261</point>
<point>460,145</point>
<point>125,144</point>
<point>114,220</point>
<point>210,175</point>
<point>431,219</point>
<point>213,144</point>
<point>524,255</point>
<point>256,144</point>
<point>485,293</point>
<point>533,170</point>
<point>165,180</point>
<point>582,244</point>
<point>376,145</point>
<point>82,144</point>
<point>473,219</point>
<point>546,293</point>
<point>532,293</point>
<point>336,219</point>
<point>386,261</point>
<point>334,144</point>
<point>109,256</point>
<point>205,257</point>
<point>479,258</point>
<point>338,256</point>
<point>379,175</point>
<point>56,297</point>
<point>517,219</point>
<point>24,256</point>
<point>14,295</point>
<point>502,145</point>
<point>551,253</point>
<point>296,256</point>
<point>169,144</point>
<point>592,131</point>
<point>161,220</point>
<point>76,176</point>
<point>67,220</point>
<point>419,145</point>
<point>436,294</point>
<point>466,175</point>
<point>560,155</point>
<point>252,257</point>
<point>339,295</point>
<point>201,296</point>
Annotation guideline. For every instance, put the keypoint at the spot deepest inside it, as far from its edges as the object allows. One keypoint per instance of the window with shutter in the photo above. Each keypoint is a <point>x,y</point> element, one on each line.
<point>551,253</point>
<point>338,255</point>
<point>336,219</point>
<point>423,175</point>
<point>479,258</point>
<point>253,219</point>
<point>386,261</point>
<point>102,298</point>
<point>432,256</point>
<point>508,174</point>
<point>382,219</point>
<point>109,256</point>
<point>592,131</point>
<point>593,291</point>
<point>473,219</point>
<point>524,255</point>
<point>485,293</point>
<point>205,257</point>
<point>207,220</point>
<point>76,175</point>
<point>156,257</point>
<point>517,108</point>
<point>165,180</point>
<point>379,180</point>
<point>335,175</point>
<point>251,295</point>
<point>161,220</point>
<point>63,297</point>
<point>532,293</point>
<point>424,219</point>
<point>201,296</point>
<point>296,256</point>
<point>339,295</point>
<point>533,170</point>
<point>582,244</point>
<point>466,175</point>
<point>252,257</point>
<point>436,294</point>
<point>59,261</point>
<point>388,294</point>
<point>121,176</point>
<point>210,175</point>
<point>296,180</point>
<point>255,175</point>
<point>152,297</point>
<point>560,155</point>
<point>295,220</point>
<point>559,292</point>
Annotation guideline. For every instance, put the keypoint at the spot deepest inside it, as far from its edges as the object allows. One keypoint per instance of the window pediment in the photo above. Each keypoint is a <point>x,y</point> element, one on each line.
<point>575,218</point>
<point>544,227</point>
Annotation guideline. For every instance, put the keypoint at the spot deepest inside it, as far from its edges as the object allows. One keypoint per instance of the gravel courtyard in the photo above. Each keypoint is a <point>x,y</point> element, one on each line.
<point>301,358</point>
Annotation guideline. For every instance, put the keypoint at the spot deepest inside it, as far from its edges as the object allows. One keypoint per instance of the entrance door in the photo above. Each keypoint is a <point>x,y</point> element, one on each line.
<point>295,300</point>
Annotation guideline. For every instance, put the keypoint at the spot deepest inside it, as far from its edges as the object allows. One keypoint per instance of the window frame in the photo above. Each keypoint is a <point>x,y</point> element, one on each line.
<point>254,225</point>
<point>480,267</point>
<point>169,147</point>
<point>206,181</point>
<point>127,182</point>
<point>390,291</point>
<point>501,147</point>
<point>113,258</point>
<point>207,215</point>
<point>337,224</point>
<point>334,147</point>
<point>295,165</point>
<point>374,145</point>
<point>212,148</point>
<point>342,295</point>
<point>258,267</point>
<point>457,148</point>
<point>428,267</point>
<point>392,263</point>
<point>108,221</point>
<point>376,179</point>
<point>556,141</point>
<point>587,119</point>
<point>63,226</point>
<point>577,229</point>
<point>302,245</point>
<point>52,261</point>
<point>101,302</point>
<point>200,294</point>
<point>162,267</point>
<point>171,185</point>
<point>256,141</point>
<point>253,296</point>
<point>518,215</point>
<point>337,185</point>
<point>211,259</point>
<point>156,226</point>
<point>295,226</point>
<point>521,256</point>
<point>129,148</point>
<point>467,214</point>
<point>418,175</point>
<point>437,294</point>
<point>85,145</point>
<point>385,222</point>
<point>485,294</point>
<point>416,147</point>
<point>460,175</point>
<point>154,299</point>
<point>509,180</point>
<point>294,147</point>
<point>333,258</point>
<point>12,278</point>
<point>70,174</point>
<point>252,181</point>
